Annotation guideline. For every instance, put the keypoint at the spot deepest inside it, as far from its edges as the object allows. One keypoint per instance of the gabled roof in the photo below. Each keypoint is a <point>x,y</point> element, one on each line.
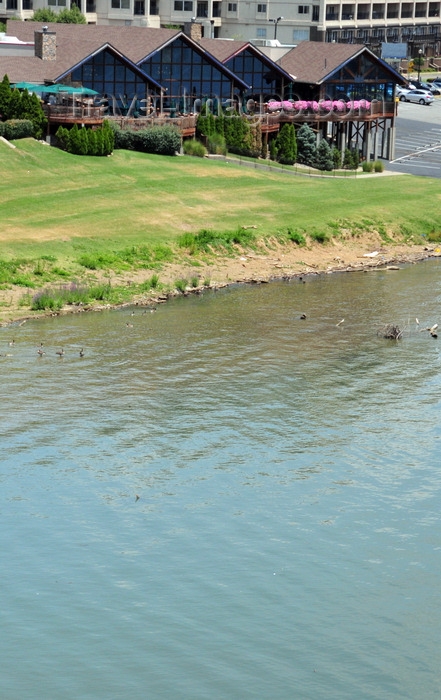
<point>315,61</point>
<point>136,69</point>
<point>212,58</point>
<point>133,42</point>
<point>77,42</point>
<point>226,49</point>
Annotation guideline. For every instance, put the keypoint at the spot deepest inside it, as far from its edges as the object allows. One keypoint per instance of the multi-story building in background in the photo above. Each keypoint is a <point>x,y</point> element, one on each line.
<point>361,21</point>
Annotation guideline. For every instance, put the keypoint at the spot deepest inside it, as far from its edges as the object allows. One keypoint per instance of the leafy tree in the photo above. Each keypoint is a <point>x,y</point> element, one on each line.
<point>2,27</point>
<point>336,157</point>
<point>108,138</point>
<point>273,149</point>
<point>5,96</point>
<point>73,142</point>
<point>63,136</point>
<point>83,142</point>
<point>324,160</point>
<point>99,142</point>
<point>45,14</point>
<point>287,145</point>
<point>206,123</point>
<point>306,145</point>
<point>14,106</point>
<point>347,159</point>
<point>264,149</point>
<point>92,145</point>
<point>238,135</point>
<point>72,16</point>
<point>31,109</point>
<point>355,159</point>
<point>256,139</point>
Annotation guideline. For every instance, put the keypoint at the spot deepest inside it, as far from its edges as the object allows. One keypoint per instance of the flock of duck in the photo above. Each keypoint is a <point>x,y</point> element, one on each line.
<point>40,352</point>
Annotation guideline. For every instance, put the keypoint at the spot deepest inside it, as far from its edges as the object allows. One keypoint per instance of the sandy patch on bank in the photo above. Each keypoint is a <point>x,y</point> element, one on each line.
<point>272,261</point>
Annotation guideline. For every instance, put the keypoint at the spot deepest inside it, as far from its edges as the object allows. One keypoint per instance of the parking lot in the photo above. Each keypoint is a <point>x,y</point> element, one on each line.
<point>418,139</point>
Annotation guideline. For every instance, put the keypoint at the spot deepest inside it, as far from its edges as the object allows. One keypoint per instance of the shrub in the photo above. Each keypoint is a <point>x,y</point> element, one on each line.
<point>336,158</point>
<point>192,147</point>
<point>296,237</point>
<point>216,144</point>
<point>367,167</point>
<point>16,129</point>
<point>306,145</point>
<point>194,281</point>
<point>286,145</point>
<point>378,166</point>
<point>181,285</point>
<point>319,236</point>
<point>324,160</point>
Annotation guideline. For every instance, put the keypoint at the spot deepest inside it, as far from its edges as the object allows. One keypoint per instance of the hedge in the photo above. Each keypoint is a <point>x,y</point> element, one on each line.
<point>16,129</point>
<point>163,140</point>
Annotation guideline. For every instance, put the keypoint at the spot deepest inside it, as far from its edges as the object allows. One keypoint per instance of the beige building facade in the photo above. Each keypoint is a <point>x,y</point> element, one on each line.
<point>288,22</point>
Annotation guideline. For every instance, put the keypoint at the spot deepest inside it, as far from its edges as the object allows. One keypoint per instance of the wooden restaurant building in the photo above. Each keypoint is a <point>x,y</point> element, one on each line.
<point>147,75</point>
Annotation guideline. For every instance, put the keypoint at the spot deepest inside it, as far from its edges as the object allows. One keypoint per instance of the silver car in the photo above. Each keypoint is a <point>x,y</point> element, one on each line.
<point>422,97</point>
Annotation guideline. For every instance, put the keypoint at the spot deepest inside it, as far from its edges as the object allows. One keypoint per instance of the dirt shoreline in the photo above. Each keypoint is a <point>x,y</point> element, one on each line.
<point>274,262</point>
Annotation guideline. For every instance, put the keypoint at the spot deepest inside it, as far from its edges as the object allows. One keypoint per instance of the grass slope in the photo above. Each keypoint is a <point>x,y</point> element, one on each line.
<point>132,198</point>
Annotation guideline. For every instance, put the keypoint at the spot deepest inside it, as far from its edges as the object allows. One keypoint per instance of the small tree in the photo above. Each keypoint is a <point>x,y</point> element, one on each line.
<point>74,142</point>
<point>306,145</point>
<point>264,150</point>
<point>5,97</point>
<point>83,142</point>
<point>336,157</point>
<point>72,16</point>
<point>92,145</point>
<point>347,159</point>
<point>324,160</point>
<point>287,145</point>
<point>45,14</point>
<point>355,159</point>
<point>273,149</point>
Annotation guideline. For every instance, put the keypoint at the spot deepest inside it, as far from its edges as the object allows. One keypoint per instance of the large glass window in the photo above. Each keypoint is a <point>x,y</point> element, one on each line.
<point>264,80</point>
<point>183,71</point>
<point>108,75</point>
<point>121,4</point>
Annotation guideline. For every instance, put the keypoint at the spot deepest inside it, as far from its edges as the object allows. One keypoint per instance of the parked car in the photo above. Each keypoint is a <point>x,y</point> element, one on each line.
<point>401,92</point>
<point>422,97</point>
<point>432,87</point>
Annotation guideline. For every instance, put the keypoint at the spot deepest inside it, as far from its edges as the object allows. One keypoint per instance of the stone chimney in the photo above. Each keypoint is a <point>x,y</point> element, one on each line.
<point>45,44</point>
<point>193,30</point>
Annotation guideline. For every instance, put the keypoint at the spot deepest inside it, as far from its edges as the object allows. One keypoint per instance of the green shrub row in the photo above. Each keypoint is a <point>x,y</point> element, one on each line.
<point>21,105</point>
<point>87,142</point>
<point>16,129</point>
<point>163,140</point>
<point>193,147</point>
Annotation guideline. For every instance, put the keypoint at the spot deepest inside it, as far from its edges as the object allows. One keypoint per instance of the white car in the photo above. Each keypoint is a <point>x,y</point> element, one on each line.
<point>422,97</point>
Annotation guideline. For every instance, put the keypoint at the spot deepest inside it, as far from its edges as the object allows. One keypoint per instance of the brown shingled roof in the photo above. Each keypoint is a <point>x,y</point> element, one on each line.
<point>75,42</point>
<point>312,61</point>
<point>222,49</point>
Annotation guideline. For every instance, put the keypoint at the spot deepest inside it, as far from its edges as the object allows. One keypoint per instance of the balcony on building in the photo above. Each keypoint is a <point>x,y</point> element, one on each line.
<point>348,12</point>
<point>407,10</point>
<point>364,12</point>
<point>377,11</point>
<point>393,10</point>
<point>332,13</point>
<point>202,10</point>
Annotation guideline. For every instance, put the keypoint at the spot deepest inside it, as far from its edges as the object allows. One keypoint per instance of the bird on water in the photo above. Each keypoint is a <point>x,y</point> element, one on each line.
<point>82,352</point>
<point>60,353</point>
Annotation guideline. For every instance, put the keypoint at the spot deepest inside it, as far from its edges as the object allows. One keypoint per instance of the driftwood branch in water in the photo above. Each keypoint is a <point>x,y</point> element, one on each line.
<point>390,332</point>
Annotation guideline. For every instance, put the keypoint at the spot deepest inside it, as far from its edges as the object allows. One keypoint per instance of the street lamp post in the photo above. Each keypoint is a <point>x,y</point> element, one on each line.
<point>420,53</point>
<point>276,22</point>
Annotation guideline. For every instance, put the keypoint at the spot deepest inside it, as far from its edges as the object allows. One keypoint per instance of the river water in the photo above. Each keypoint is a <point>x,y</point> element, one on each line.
<point>225,501</point>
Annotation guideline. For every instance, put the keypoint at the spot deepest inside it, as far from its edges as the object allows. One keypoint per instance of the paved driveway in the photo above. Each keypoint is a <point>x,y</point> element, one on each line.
<point>418,139</point>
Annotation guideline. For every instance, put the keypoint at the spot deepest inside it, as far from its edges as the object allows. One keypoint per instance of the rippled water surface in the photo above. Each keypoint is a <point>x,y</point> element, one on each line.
<point>286,541</point>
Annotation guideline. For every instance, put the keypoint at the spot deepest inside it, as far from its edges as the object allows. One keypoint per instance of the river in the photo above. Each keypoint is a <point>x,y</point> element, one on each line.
<point>224,501</point>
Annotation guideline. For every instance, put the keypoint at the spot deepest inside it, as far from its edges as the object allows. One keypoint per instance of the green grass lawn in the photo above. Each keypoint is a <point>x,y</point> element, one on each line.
<point>51,201</point>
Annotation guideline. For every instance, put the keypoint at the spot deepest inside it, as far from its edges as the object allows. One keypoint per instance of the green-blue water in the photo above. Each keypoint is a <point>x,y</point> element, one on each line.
<point>286,542</point>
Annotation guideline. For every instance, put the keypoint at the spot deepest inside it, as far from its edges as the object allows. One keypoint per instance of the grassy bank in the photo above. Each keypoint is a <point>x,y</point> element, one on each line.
<point>65,217</point>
